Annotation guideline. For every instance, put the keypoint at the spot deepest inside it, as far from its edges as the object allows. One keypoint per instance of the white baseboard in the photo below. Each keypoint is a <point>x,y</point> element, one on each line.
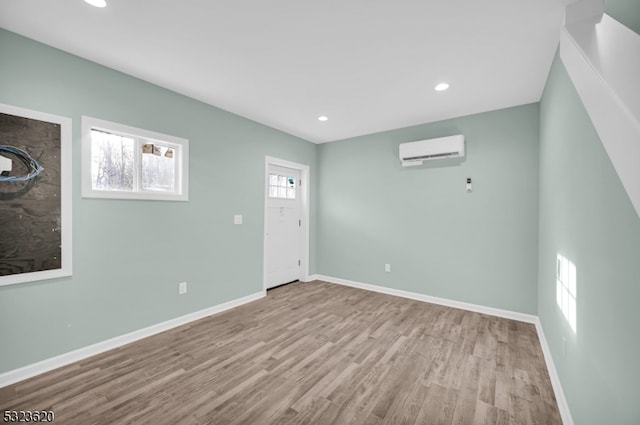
<point>47,365</point>
<point>507,314</point>
<point>563,407</point>
<point>43,366</point>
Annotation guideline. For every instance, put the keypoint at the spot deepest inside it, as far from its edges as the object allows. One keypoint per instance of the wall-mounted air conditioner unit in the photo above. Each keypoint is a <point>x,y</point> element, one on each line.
<point>413,153</point>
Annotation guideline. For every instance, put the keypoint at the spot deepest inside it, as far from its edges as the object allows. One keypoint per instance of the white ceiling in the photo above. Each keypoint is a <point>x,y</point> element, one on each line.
<point>369,65</point>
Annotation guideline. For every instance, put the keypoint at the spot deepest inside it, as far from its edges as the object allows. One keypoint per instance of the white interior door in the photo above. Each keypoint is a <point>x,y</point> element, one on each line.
<point>283,226</point>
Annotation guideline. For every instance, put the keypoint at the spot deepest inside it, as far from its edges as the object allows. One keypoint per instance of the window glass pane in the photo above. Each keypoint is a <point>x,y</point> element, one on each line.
<point>158,169</point>
<point>282,192</point>
<point>291,182</point>
<point>291,193</point>
<point>282,181</point>
<point>273,179</point>
<point>273,191</point>
<point>111,161</point>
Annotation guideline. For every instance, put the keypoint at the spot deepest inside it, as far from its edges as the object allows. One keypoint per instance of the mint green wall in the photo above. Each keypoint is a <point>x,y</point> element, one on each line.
<point>496,246</point>
<point>626,12</point>
<point>478,247</point>
<point>586,215</point>
<point>130,255</point>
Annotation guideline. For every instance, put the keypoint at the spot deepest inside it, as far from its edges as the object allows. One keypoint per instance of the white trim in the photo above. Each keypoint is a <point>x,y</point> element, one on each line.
<point>305,193</point>
<point>561,400</point>
<point>603,70</point>
<point>46,365</point>
<point>563,406</point>
<point>66,222</point>
<point>584,11</point>
<point>310,278</point>
<point>507,314</point>
<point>178,143</point>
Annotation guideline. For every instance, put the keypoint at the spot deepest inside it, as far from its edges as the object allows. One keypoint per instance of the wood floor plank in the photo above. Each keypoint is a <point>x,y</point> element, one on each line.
<point>313,353</point>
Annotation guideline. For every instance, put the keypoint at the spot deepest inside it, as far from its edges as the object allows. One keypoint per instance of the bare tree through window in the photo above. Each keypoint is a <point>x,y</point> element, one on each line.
<point>158,169</point>
<point>112,161</point>
<point>123,162</point>
<point>113,164</point>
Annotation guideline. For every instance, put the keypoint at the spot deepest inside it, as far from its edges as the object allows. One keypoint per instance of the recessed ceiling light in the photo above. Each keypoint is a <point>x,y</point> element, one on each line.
<point>97,3</point>
<point>322,118</point>
<point>441,87</point>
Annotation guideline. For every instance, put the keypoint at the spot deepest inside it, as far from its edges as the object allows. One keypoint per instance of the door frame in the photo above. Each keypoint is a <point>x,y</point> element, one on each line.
<point>304,205</point>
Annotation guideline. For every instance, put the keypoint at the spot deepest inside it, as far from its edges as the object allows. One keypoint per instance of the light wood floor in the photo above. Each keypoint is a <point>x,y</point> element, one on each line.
<point>313,353</point>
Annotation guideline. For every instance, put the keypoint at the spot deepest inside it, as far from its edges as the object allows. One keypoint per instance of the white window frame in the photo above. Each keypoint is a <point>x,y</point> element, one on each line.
<point>179,144</point>
<point>66,222</point>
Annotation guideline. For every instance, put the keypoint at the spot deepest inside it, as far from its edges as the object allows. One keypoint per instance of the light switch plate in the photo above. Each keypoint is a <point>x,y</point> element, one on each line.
<point>237,219</point>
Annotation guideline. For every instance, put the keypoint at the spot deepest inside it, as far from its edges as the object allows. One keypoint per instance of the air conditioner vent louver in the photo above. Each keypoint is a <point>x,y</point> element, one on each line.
<point>413,153</point>
<point>435,155</point>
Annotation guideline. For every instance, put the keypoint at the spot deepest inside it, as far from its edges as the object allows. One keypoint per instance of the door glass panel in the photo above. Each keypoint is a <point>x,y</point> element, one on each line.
<point>273,179</point>
<point>283,187</point>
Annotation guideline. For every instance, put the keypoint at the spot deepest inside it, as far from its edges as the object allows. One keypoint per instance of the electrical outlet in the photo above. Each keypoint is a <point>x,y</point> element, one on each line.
<point>387,268</point>
<point>182,288</point>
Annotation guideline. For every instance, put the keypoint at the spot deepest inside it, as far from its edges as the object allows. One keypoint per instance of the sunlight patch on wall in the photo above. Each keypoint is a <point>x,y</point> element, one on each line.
<point>566,289</point>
